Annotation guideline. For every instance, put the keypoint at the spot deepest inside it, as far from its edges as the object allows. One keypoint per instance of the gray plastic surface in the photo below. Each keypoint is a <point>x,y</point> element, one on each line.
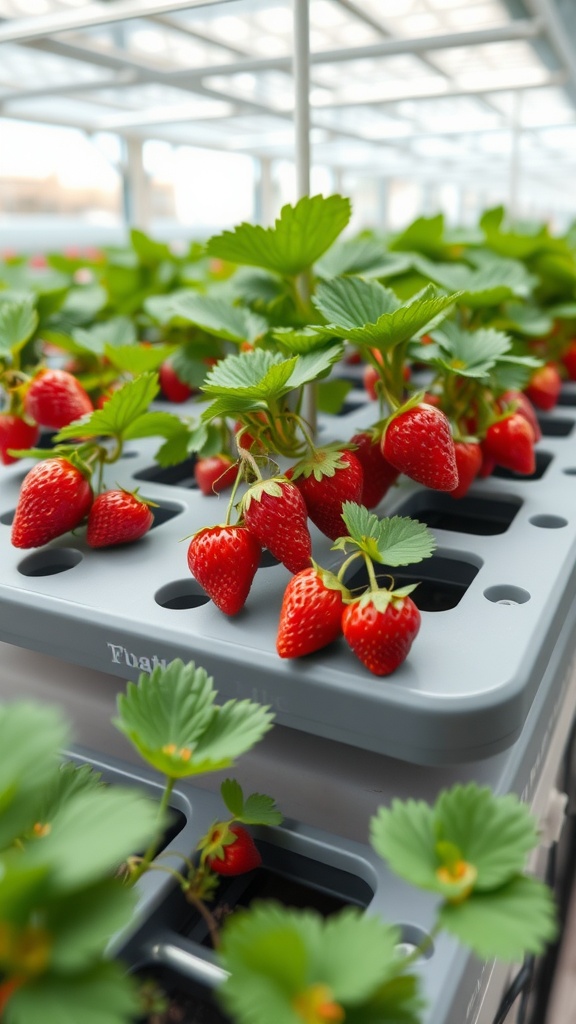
<point>467,686</point>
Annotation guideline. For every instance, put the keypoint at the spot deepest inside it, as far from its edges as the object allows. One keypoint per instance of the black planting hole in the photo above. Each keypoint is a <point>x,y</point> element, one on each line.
<point>289,878</point>
<point>267,559</point>
<point>181,594</point>
<point>50,562</point>
<point>349,405</point>
<point>484,517</point>
<point>173,996</point>
<point>552,427</point>
<point>181,475</point>
<point>543,460</point>
<point>567,397</point>
<point>7,518</point>
<point>442,582</point>
<point>46,439</point>
<point>163,513</point>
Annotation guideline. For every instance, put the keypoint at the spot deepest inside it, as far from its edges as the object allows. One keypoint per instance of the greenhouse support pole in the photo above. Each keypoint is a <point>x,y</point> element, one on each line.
<point>516,132</point>
<point>301,69</point>
<point>135,186</point>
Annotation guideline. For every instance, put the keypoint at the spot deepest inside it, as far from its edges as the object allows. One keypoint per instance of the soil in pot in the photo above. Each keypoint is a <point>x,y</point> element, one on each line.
<point>175,999</point>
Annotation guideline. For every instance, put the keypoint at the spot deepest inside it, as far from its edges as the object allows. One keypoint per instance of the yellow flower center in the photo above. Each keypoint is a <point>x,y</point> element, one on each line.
<point>172,750</point>
<point>41,829</point>
<point>25,951</point>
<point>316,1006</point>
<point>459,873</point>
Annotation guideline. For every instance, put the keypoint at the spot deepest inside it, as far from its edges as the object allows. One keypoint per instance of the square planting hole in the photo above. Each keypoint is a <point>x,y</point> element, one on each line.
<point>543,460</point>
<point>181,475</point>
<point>567,397</point>
<point>163,512</point>
<point>290,878</point>
<point>560,427</point>
<point>483,517</point>
<point>442,582</point>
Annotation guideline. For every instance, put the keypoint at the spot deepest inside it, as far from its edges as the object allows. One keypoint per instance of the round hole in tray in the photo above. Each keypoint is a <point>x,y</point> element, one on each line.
<point>547,522</point>
<point>571,471</point>
<point>7,518</point>
<point>413,937</point>
<point>129,455</point>
<point>50,562</point>
<point>267,559</point>
<point>505,594</point>
<point>181,594</point>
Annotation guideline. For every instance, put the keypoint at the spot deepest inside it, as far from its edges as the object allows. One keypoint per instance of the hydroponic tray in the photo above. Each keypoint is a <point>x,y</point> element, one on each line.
<point>494,597</point>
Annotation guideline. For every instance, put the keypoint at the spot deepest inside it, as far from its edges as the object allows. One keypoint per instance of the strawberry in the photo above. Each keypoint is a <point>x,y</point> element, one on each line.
<point>544,387</point>
<point>275,513</point>
<point>234,857</point>
<point>15,433</point>
<point>469,462</point>
<point>55,497</point>
<point>311,613</point>
<point>117,517</point>
<point>418,442</point>
<point>326,480</point>
<point>215,473</point>
<point>370,378</point>
<point>380,627</point>
<point>523,406</point>
<point>488,464</point>
<point>224,560</point>
<point>173,388</point>
<point>54,398</point>
<point>510,442</point>
<point>569,360</point>
<point>379,475</point>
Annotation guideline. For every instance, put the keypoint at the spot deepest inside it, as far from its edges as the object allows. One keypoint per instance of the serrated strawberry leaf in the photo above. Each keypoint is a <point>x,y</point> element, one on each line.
<point>137,359</point>
<point>352,302</point>
<point>162,308</point>
<point>506,923</point>
<point>526,319</point>
<point>468,353</point>
<point>103,993</point>
<point>332,395</point>
<point>313,365</point>
<point>116,333</point>
<point>393,541</point>
<point>69,780</point>
<point>260,809</point>
<point>487,285</point>
<point>307,339</point>
<point>124,406</point>
<point>233,796</point>
<point>148,250</point>
<point>171,718</point>
<point>563,311</point>
<point>260,375</point>
<point>513,372</point>
<point>403,835</point>
<point>18,321</point>
<point>425,234</point>
<point>81,923</point>
<point>154,424</point>
<point>495,834</point>
<point>216,316</point>
<point>300,235</point>
<point>352,256</point>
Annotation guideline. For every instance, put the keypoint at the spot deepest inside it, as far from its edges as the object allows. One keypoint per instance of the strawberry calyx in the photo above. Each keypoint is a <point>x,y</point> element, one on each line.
<point>212,845</point>
<point>382,597</point>
<point>272,486</point>
<point>321,462</point>
<point>330,581</point>
<point>418,398</point>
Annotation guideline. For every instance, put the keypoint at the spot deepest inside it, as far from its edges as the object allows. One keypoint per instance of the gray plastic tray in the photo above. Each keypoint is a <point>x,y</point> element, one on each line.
<point>470,679</point>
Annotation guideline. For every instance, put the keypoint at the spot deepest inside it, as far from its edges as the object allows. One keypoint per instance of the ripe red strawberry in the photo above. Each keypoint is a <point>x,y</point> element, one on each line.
<point>569,360</point>
<point>510,442</point>
<point>523,406</point>
<point>15,433</point>
<point>237,857</point>
<point>418,443</point>
<point>380,628</point>
<point>55,398</point>
<point>173,388</point>
<point>544,387</point>
<point>379,475</point>
<point>370,378</point>
<point>311,613</point>
<point>117,517</point>
<point>224,560</point>
<point>326,480</point>
<point>469,462</point>
<point>275,513</point>
<point>488,464</point>
<point>54,498</point>
<point>215,473</point>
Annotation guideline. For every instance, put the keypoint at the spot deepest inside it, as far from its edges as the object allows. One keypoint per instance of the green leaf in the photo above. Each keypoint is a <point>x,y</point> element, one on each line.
<point>306,339</point>
<point>332,395</point>
<point>232,795</point>
<point>495,834</point>
<point>154,424</point>
<point>425,234</point>
<point>102,995</point>
<point>395,541</point>
<point>312,365</point>
<point>83,921</point>
<point>513,372</point>
<point>137,359</point>
<point>260,375</point>
<point>506,923</point>
<point>352,256</point>
<point>69,780</point>
<point>18,321</point>
<point>172,720</point>
<point>563,311</point>
<point>299,237</point>
<point>162,308</point>
<point>148,250</point>
<point>403,835</point>
<point>216,316</point>
<point>469,353</point>
<point>352,302</point>
<point>527,319</point>
<point>397,1001</point>
<point>93,833</point>
<point>116,333</point>
<point>31,738</point>
<point>489,284</point>
<point>125,405</point>
<point>260,809</point>
<point>357,952</point>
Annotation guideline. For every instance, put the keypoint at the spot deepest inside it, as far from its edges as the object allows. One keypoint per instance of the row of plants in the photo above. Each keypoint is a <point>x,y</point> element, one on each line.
<point>459,336</point>
<point>70,868</point>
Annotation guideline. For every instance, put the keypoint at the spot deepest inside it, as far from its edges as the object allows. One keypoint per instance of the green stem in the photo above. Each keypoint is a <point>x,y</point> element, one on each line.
<point>348,561</point>
<point>208,917</point>
<point>371,574</point>
<point>153,847</point>
<point>423,947</point>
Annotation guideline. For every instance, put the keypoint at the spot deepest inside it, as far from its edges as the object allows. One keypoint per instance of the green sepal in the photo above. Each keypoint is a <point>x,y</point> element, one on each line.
<point>301,234</point>
<point>325,461</point>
